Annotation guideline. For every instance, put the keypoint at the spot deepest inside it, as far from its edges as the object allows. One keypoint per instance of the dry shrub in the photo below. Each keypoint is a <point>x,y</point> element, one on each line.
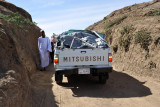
<point>125,41</point>
<point>115,48</point>
<point>143,38</point>
<point>152,65</point>
<point>154,12</point>
<point>126,29</point>
<point>157,41</point>
<point>108,34</point>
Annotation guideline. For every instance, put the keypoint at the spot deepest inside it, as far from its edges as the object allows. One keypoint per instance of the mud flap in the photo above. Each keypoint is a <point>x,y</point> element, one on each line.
<point>58,78</point>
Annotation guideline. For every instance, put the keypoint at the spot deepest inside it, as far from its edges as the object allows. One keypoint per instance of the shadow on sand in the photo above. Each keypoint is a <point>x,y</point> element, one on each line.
<point>119,85</point>
<point>42,94</point>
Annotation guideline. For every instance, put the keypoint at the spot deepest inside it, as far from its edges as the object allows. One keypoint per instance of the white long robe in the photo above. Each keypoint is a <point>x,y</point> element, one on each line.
<point>44,46</point>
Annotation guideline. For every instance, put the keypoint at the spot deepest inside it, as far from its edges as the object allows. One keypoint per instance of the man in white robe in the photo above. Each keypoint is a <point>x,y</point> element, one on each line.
<point>44,46</point>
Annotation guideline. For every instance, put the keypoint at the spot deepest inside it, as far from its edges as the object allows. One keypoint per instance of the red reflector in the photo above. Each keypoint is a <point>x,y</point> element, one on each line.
<point>110,59</point>
<point>56,60</point>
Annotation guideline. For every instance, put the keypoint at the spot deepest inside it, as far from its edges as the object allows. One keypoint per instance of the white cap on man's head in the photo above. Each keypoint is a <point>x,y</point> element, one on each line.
<point>41,30</point>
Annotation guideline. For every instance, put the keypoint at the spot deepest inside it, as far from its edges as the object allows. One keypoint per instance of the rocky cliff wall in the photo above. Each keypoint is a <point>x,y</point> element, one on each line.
<point>19,56</point>
<point>133,32</point>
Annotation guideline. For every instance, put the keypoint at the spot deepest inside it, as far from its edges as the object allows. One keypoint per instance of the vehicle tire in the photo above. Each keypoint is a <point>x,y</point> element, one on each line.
<point>58,78</point>
<point>103,79</point>
<point>59,82</point>
<point>107,76</point>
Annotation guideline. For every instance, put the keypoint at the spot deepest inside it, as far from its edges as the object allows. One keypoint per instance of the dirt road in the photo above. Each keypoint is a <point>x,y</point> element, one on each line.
<point>121,90</point>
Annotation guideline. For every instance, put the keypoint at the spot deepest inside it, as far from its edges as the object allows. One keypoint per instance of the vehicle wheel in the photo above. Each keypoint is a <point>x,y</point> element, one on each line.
<point>103,78</point>
<point>58,78</point>
<point>107,76</point>
<point>59,82</point>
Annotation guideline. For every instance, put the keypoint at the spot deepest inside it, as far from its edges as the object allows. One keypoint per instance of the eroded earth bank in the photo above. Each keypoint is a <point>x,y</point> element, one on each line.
<point>134,81</point>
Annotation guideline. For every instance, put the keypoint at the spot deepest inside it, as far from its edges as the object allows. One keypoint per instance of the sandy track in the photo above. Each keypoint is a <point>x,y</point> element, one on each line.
<point>121,89</point>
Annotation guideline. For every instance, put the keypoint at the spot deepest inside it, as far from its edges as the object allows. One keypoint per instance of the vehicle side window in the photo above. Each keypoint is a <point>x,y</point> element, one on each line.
<point>102,35</point>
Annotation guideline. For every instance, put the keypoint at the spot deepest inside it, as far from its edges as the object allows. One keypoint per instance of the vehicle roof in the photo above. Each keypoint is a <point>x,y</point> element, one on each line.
<point>85,31</point>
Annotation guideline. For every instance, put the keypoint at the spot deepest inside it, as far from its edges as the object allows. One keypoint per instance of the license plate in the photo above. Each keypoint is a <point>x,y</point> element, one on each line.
<point>84,71</point>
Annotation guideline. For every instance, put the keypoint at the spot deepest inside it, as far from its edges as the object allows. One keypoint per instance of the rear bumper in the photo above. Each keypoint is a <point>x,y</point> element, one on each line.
<point>93,71</point>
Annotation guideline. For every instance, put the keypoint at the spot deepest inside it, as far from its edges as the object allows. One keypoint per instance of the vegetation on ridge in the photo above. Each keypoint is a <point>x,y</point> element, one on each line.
<point>115,21</point>
<point>154,12</point>
<point>109,25</point>
<point>17,19</point>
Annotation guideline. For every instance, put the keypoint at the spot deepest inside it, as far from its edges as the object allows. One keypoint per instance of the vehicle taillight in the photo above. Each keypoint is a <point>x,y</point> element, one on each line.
<point>56,59</point>
<point>110,57</point>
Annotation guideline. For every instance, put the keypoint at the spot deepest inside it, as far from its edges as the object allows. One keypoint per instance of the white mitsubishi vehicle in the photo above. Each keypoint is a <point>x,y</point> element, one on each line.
<point>82,52</point>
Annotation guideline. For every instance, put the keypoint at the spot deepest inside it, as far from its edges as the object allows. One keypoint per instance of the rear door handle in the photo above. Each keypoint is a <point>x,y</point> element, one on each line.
<point>83,52</point>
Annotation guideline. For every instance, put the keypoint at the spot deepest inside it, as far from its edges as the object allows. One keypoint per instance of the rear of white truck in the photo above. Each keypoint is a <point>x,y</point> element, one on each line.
<point>83,61</point>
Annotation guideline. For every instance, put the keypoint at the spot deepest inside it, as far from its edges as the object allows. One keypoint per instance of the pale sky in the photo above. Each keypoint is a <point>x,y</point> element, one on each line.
<point>57,16</point>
